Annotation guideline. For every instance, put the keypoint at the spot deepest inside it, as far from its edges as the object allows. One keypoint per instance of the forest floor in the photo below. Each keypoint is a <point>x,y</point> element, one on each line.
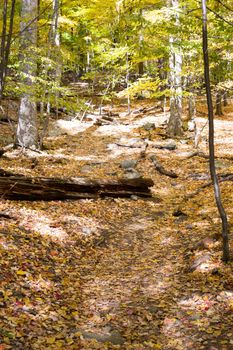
<point>129,274</point>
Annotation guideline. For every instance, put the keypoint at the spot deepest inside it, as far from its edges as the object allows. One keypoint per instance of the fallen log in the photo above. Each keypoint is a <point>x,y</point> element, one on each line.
<point>20,187</point>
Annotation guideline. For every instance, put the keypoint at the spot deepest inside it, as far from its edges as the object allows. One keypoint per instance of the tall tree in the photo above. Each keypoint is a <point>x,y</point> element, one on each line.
<point>174,127</point>
<point>2,50</point>
<point>225,229</point>
<point>6,42</point>
<point>27,123</point>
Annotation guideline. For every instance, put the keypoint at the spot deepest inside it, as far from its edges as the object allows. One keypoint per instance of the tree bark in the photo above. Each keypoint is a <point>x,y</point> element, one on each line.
<point>225,102</point>
<point>6,43</point>
<point>191,106</point>
<point>219,111</point>
<point>214,178</point>
<point>174,127</point>
<point>2,49</point>
<point>27,124</point>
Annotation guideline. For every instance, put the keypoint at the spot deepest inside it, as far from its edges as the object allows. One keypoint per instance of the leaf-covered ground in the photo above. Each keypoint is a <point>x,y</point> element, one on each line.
<point>118,273</point>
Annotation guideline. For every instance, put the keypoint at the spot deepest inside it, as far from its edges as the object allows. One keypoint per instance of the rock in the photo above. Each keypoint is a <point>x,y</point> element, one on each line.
<point>87,231</point>
<point>135,198</point>
<point>189,227</point>
<point>191,125</point>
<point>128,163</point>
<point>159,214</point>
<point>114,337</point>
<point>86,169</point>
<point>131,174</point>
<point>178,213</point>
<point>200,263</point>
<point>171,145</point>
<point>149,126</point>
<point>206,243</point>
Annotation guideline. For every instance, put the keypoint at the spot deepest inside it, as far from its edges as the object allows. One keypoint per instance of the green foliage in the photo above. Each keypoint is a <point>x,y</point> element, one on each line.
<point>97,36</point>
<point>145,86</point>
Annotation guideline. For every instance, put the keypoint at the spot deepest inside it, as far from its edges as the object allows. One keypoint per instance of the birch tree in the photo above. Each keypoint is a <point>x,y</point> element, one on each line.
<point>27,123</point>
<point>174,127</point>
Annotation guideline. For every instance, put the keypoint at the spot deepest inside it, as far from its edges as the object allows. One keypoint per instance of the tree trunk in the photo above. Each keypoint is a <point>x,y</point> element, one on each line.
<point>219,111</point>
<point>222,213</point>
<point>27,124</point>
<point>224,96</point>
<point>140,68</point>
<point>174,127</point>
<point>191,106</point>
<point>55,49</point>
<point>2,50</point>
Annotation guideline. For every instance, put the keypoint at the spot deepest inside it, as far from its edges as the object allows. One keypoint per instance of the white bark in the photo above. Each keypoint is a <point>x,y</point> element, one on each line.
<point>54,51</point>
<point>27,123</point>
<point>175,62</point>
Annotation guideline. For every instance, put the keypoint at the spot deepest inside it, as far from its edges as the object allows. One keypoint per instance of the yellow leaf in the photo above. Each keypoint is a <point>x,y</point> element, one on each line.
<point>75,313</point>
<point>21,273</point>
<point>217,333</point>
<point>51,340</point>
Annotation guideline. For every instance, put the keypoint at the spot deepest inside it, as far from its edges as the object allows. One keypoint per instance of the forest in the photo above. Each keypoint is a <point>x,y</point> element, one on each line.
<point>116,172</point>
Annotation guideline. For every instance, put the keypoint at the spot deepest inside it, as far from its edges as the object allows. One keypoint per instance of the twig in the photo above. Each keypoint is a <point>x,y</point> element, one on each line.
<point>161,169</point>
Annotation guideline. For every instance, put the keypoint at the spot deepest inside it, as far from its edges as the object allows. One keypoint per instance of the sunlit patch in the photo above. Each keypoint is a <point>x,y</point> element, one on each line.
<point>5,245</point>
<point>35,221</point>
<point>227,298</point>
<point>72,127</point>
<point>40,284</point>
<point>167,241</point>
<point>198,302</point>
<point>140,224</point>
<point>203,263</point>
<point>84,226</point>
<point>158,287</point>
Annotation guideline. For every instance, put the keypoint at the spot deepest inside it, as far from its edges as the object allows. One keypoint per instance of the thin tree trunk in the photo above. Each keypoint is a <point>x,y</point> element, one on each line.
<point>225,102</point>
<point>127,82</point>
<point>5,47</point>
<point>27,135</point>
<point>222,213</point>
<point>2,50</point>
<point>192,106</point>
<point>174,127</point>
<point>219,111</point>
<point>53,74</point>
<point>9,37</point>
<point>141,40</point>
<point>141,68</point>
<point>55,42</point>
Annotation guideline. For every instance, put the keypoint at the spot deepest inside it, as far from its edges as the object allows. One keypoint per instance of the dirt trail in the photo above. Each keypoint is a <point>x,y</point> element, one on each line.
<point>115,273</point>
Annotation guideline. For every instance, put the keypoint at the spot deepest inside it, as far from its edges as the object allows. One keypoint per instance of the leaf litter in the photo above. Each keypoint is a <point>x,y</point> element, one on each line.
<point>116,273</point>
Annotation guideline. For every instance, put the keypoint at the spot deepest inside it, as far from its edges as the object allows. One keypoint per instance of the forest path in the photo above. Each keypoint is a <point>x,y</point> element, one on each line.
<point>139,292</point>
<point>124,274</point>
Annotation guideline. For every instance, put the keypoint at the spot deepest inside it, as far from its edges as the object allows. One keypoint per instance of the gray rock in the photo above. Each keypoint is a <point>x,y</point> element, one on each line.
<point>114,337</point>
<point>132,174</point>
<point>128,163</point>
<point>183,142</point>
<point>159,214</point>
<point>86,169</point>
<point>189,227</point>
<point>149,126</point>
<point>171,145</point>
<point>198,262</point>
<point>87,231</point>
<point>135,198</point>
